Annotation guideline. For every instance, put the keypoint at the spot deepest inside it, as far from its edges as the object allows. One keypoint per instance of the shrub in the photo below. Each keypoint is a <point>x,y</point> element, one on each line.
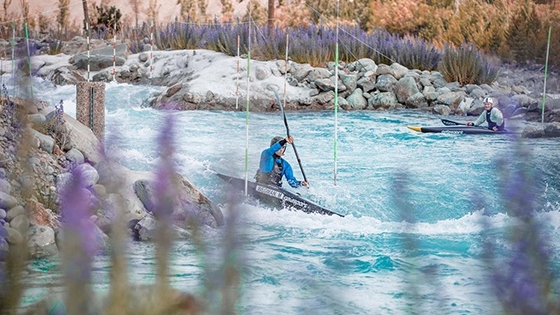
<point>56,43</point>
<point>107,18</point>
<point>466,65</point>
<point>178,35</point>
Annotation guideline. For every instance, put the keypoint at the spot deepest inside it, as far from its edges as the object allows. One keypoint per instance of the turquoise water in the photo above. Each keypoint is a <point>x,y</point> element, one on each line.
<point>411,239</point>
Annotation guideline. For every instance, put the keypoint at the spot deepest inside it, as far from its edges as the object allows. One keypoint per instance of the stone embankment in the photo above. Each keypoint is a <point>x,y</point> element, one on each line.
<point>40,150</point>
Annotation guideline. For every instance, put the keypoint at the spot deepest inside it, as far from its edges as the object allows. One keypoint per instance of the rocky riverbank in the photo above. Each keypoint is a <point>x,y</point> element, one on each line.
<point>207,80</point>
<point>42,150</point>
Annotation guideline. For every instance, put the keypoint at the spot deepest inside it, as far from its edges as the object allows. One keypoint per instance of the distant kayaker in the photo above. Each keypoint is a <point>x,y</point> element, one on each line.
<point>491,115</point>
<point>273,167</point>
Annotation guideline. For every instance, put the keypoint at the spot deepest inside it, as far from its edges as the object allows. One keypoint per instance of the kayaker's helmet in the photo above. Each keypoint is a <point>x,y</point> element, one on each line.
<point>488,100</point>
<point>276,139</point>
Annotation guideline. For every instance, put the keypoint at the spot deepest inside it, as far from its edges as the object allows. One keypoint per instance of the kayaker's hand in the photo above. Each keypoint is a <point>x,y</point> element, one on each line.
<point>469,123</point>
<point>305,183</point>
<point>495,128</point>
<point>290,139</point>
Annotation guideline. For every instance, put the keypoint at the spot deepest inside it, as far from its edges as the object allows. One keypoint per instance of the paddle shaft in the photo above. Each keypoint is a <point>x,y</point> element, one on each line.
<point>288,135</point>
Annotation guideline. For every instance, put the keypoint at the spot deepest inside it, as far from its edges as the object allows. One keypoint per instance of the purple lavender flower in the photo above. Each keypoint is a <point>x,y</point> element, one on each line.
<point>165,192</point>
<point>75,213</point>
<point>522,282</point>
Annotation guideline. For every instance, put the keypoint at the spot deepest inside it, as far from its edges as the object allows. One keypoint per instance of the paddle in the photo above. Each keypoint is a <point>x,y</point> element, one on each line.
<point>288,134</point>
<point>448,122</point>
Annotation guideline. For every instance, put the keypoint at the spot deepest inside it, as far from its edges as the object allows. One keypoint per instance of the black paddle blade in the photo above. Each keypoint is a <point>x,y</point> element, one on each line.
<point>448,122</point>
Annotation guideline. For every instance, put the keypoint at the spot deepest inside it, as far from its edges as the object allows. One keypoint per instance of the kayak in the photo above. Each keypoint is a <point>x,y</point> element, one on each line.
<point>461,129</point>
<point>276,196</point>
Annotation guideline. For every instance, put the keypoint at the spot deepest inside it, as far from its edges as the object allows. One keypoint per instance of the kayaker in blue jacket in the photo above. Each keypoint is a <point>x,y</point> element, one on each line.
<point>491,115</point>
<point>273,167</point>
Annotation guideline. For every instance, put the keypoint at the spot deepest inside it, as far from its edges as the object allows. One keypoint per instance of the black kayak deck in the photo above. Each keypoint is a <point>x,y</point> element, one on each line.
<point>276,196</point>
<point>461,129</point>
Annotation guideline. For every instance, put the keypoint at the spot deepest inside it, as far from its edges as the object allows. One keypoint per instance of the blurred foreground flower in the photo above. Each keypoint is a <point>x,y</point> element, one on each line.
<point>524,282</point>
<point>80,244</point>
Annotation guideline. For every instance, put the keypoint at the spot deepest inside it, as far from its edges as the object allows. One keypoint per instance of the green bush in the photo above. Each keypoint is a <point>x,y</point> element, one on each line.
<point>466,65</point>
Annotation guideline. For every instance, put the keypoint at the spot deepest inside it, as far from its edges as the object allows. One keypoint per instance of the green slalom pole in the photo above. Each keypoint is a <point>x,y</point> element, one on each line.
<point>545,73</point>
<point>336,103</point>
<point>29,59</point>
<point>247,107</point>
<point>14,57</point>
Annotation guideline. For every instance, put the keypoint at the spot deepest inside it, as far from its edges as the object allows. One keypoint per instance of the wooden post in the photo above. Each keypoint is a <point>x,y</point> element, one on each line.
<point>90,106</point>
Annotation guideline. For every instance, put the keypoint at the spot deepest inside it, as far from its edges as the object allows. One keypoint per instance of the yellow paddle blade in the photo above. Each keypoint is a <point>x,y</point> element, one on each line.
<point>415,128</point>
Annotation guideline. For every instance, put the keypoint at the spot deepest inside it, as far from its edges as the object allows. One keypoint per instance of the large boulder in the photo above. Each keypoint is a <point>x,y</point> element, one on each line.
<point>190,203</point>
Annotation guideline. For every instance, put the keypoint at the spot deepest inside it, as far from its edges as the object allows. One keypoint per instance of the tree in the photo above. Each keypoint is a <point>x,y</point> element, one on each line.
<point>63,14</point>
<point>153,11</point>
<point>522,31</point>
<point>107,18</point>
<point>270,17</point>
<point>135,5</point>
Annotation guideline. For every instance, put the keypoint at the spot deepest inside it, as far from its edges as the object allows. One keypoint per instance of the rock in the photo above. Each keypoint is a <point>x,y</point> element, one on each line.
<point>5,186</point>
<point>385,100</point>
<point>145,228</point>
<point>45,142</point>
<point>417,100</point>
<point>65,76</point>
<point>367,83</point>
<point>36,120</point>
<point>83,139</point>
<point>399,70</point>
<point>41,241</point>
<point>75,157</point>
<point>405,88</point>
<point>349,81</point>
<point>4,248</point>
<point>89,174</point>
<point>7,201</point>
<point>190,203</point>
<point>356,100</point>
<point>20,223</point>
<point>14,236</point>
<point>14,212</point>
<point>441,110</point>
<point>300,71</point>
<point>39,215</point>
<point>319,73</point>
<point>325,84</point>
<point>533,132</point>
<point>363,65</point>
<point>386,83</point>
<point>262,73</point>
<point>552,130</point>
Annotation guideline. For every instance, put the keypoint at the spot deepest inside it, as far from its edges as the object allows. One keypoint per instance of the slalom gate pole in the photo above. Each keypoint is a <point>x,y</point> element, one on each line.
<point>87,45</point>
<point>336,101</point>
<point>237,76</point>
<point>29,59</point>
<point>151,48</point>
<point>545,73</point>
<point>114,53</point>
<point>247,105</point>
